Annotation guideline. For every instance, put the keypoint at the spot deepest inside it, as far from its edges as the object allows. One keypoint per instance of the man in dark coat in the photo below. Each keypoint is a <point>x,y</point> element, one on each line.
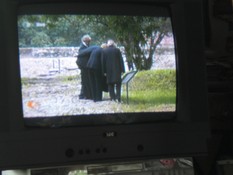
<point>95,66</point>
<point>113,67</point>
<point>82,60</point>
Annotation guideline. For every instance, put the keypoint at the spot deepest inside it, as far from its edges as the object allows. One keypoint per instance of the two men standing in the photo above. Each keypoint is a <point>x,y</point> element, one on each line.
<point>100,61</point>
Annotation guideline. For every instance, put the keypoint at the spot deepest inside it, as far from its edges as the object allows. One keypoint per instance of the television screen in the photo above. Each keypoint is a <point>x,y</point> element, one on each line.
<point>146,99</point>
<point>103,68</point>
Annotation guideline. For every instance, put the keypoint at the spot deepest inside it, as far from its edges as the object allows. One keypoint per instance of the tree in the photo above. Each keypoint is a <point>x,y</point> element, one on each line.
<point>62,30</point>
<point>139,35</point>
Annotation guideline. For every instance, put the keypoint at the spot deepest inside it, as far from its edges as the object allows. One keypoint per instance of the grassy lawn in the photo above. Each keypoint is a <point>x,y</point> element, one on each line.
<point>151,90</point>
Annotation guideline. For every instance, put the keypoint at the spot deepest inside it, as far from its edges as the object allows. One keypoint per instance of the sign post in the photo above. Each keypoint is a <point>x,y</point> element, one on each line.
<point>126,79</point>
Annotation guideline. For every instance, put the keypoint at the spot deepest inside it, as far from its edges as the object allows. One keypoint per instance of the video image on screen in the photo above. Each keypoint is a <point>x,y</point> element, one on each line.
<point>75,65</point>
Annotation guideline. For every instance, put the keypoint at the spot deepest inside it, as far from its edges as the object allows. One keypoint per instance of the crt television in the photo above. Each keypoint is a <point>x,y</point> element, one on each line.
<point>37,130</point>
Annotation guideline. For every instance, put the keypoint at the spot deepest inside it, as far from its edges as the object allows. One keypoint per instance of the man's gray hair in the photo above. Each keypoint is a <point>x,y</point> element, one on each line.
<point>111,43</point>
<point>86,38</point>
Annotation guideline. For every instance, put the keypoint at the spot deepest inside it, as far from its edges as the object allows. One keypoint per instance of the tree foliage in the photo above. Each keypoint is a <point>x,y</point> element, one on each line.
<point>138,35</point>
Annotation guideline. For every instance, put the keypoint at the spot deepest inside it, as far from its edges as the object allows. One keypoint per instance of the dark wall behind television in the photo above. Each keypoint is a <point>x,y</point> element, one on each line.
<point>3,68</point>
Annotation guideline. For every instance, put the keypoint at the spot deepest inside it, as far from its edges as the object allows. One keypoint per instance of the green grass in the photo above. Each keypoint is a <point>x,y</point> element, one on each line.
<point>154,80</point>
<point>63,79</point>
<point>151,89</point>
